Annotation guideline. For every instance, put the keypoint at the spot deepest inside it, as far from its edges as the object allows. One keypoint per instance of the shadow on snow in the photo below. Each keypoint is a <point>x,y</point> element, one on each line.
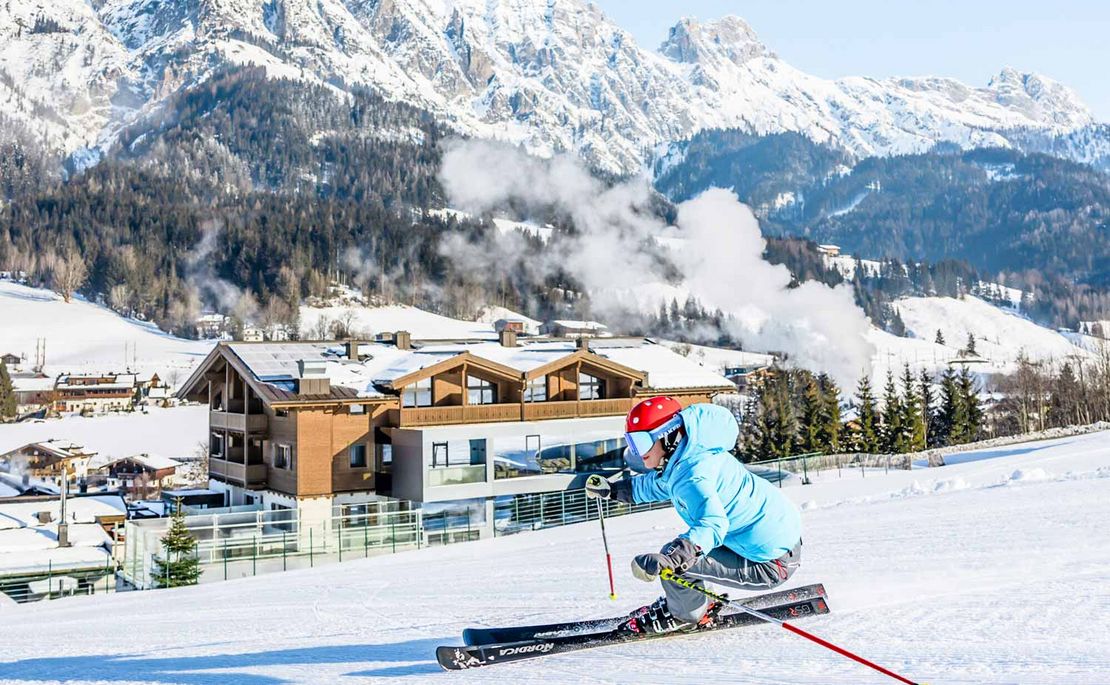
<point>214,669</point>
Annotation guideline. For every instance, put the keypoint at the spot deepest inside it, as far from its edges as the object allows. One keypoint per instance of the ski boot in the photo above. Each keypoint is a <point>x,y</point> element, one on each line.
<point>653,619</point>
<point>709,620</point>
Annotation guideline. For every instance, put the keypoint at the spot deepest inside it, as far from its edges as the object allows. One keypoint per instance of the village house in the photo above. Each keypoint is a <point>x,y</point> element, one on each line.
<point>46,461</point>
<point>11,360</point>
<point>322,427</point>
<point>95,393</point>
<point>566,328</point>
<point>33,393</point>
<point>141,476</point>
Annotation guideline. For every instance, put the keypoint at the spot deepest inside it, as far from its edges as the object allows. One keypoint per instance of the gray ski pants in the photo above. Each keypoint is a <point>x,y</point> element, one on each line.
<point>722,566</point>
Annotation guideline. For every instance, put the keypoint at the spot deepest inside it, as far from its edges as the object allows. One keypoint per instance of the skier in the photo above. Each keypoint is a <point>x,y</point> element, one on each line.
<point>743,532</point>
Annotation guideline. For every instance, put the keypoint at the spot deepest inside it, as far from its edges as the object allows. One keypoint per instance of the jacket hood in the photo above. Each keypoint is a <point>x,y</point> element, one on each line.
<point>709,428</point>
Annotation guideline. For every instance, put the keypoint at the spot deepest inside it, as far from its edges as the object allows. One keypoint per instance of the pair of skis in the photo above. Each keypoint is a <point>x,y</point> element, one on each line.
<point>487,646</point>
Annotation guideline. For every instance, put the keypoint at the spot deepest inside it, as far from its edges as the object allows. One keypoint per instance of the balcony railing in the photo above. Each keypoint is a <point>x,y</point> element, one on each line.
<point>247,475</point>
<point>456,475</point>
<point>534,411</point>
<point>486,413</point>
<point>224,420</point>
<point>473,413</point>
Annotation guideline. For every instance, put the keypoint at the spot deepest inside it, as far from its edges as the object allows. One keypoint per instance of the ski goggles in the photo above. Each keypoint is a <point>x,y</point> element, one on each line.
<point>640,442</point>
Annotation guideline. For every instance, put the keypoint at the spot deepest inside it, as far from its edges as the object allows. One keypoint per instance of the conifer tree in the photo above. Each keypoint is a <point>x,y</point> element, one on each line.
<point>893,439</point>
<point>913,423</point>
<point>973,410</point>
<point>940,338</point>
<point>179,565</point>
<point>830,414</point>
<point>7,394</point>
<point>866,439</point>
<point>970,347</point>
<point>946,432</point>
<point>812,406</point>
<point>928,415</point>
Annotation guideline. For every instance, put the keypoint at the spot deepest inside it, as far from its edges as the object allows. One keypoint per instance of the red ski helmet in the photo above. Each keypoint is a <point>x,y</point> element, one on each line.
<point>648,421</point>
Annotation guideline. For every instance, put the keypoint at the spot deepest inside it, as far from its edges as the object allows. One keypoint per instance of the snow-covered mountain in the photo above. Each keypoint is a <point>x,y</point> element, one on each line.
<point>551,74</point>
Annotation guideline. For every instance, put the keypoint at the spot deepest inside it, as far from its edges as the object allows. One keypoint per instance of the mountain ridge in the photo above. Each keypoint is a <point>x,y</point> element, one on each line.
<point>552,75</point>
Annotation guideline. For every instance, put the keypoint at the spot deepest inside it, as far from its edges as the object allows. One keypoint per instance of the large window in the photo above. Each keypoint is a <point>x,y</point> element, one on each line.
<point>358,456</point>
<point>590,387</point>
<point>419,394</point>
<point>216,445</point>
<point>480,391</point>
<point>536,390</point>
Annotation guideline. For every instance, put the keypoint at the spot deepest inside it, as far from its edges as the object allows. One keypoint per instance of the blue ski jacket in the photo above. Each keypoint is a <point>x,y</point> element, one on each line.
<point>721,501</point>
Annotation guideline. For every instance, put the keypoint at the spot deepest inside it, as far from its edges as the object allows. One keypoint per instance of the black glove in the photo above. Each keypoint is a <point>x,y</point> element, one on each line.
<point>600,488</point>
<point>677,555</point>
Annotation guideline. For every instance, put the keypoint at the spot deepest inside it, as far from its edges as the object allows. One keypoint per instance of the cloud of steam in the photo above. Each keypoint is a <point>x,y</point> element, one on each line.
<point>209,288</point>
<point>615,254</point>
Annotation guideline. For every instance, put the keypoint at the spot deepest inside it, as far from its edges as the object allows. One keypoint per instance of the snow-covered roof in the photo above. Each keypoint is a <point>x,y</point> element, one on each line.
<point>665,370</point>
<point>581,325</point>
<point>63,449</point>
<point>23,514</point>
<point>152,461</point>
<point>27,562</point>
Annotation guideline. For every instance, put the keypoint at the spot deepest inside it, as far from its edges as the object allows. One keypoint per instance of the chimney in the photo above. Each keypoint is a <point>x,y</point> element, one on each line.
<point>313,377</point>
<point>352,350</point>
<point>403,340</point>
<point>507,338</point>
<point>582,343</point>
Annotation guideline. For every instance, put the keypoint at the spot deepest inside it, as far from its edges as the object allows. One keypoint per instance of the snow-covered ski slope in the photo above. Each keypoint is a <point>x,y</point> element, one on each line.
<point>994,570</point>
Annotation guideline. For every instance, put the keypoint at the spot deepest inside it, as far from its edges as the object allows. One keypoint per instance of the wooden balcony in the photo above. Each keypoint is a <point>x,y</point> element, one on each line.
<point>489,413</point>
<point>538,411</point>
<point>246,475</point>
<point>471,413</point>
<point>241,423</point>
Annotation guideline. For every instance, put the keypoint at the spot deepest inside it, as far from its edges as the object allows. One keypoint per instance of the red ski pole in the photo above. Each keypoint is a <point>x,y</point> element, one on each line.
<point>605,541</point>
<point>668,574</point>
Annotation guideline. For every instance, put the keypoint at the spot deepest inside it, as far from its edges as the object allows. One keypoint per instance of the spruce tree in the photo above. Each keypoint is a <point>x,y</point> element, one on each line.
<point>179,565</point>
<point>940,338</point>
<point>971,344</point>
<point>973,410</point>
<point>946,432</point>
<point>7,394</point>
<point>893,439</point>
<point>830,414</point>
<point>913,422</point>
<point>928,416</point>
<point>867,435</point>
<point>812,406</point>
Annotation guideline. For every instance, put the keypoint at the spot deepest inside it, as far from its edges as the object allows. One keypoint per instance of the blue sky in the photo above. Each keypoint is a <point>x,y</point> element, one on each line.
<point>1067,40</point>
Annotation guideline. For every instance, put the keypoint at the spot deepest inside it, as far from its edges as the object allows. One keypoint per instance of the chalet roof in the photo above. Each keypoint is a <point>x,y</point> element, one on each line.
<point>62,449</point>
<point>275,365</point>
<point>152,461</point>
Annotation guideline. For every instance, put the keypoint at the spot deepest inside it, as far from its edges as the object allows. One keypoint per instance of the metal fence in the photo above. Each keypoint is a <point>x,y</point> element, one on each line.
<point>815,466</point>
<point>61,582</point>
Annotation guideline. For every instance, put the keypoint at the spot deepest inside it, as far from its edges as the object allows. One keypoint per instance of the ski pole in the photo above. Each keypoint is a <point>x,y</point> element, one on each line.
<point>668,574</point>
<point>605,541</point>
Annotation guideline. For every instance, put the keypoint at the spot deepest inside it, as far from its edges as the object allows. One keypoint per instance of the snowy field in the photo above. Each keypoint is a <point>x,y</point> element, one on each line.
<point>173,432</point>
<point>84,337</point>
<point>990,571</point>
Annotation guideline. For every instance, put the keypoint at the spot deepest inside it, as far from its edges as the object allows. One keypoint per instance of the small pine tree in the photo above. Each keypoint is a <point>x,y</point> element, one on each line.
<point>812,405</point>
<point>970,347</point>
<point>830,414</point>
<point>866,439</point>
<point>947,431</point>
<point>913,423</point>
<point>928,416</point>
<point>893,437</point>
<point>179,565</point>
<point>7,394</point>
<point>973,410</point>
<point>940,337</point>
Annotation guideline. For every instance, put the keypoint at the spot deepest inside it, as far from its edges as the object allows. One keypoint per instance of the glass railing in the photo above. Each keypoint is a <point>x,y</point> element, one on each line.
<point>456,475</point>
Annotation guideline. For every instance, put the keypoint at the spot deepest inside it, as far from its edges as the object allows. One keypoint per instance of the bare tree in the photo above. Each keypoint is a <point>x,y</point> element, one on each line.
<point>119,298</point>
<point>67,273</point>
